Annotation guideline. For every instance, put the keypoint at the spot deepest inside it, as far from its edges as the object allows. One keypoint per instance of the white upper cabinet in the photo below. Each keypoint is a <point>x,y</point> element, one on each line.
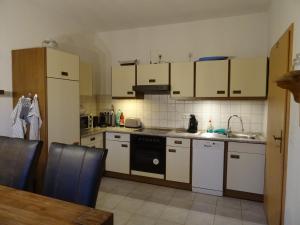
<point>212,79</point>
<point>153,74</point>
<point>182,79</point>
<point>123,78</point>
<point>248,77</point>
<point>62,65</point>
<point>86,79</point>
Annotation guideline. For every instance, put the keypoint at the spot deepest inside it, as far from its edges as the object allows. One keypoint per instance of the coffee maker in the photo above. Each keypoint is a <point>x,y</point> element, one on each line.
<point>193,124</point>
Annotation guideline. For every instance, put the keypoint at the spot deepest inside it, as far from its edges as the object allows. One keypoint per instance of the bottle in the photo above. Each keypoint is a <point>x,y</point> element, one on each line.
<point>118,115</point>
<point>210,127</point>
<point>112,116</point>
<point>122,120</point>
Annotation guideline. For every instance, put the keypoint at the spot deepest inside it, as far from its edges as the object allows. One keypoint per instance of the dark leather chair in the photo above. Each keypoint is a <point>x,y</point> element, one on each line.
<point>74,173</point>
<point>18,160</point>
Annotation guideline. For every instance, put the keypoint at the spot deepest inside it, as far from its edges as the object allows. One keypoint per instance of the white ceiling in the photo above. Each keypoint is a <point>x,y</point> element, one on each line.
<point>103,15</point>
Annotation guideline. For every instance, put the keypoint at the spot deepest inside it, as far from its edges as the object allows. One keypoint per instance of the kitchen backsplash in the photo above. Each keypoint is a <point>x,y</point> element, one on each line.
<point>163,111</point>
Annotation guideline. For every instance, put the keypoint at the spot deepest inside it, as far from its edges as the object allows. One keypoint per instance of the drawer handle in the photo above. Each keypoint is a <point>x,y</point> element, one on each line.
<point>92,139</point>
<point>130,92</point>
<point>152,80</point>
<point>117,136</point>
<point>63,73</point>
<point>207,146</point>
<point>172,150</point>
<point>237,92</point>
<point>234,156</point>
<point>176,92</point>
<point>124,146</point>
<point>220,92</point>
<point>178,142</point>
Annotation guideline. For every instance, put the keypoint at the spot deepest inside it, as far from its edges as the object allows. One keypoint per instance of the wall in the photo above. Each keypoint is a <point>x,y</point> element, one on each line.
<point>282,14</point>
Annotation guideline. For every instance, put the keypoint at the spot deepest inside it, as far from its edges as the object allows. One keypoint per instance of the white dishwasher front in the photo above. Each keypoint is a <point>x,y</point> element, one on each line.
<point>208,167</point>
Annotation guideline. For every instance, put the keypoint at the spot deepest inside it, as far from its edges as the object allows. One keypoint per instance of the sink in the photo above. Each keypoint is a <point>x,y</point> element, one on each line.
<point>242,136</point>
<point>212,135</point>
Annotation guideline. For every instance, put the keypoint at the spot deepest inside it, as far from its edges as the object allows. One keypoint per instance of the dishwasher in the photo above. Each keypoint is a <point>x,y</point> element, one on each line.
<point>208,167</point>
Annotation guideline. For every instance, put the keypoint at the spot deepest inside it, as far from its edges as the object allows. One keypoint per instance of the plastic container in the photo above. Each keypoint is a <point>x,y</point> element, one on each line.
<point>118,115</point>
<point>210,128</point>
<point>122,120</point>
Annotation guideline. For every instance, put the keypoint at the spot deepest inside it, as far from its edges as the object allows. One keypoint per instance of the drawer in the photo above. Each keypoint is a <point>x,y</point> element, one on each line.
<point>117,136</point>
<point>246,148</point>
<point>180,142</point>
<point>92,140</point>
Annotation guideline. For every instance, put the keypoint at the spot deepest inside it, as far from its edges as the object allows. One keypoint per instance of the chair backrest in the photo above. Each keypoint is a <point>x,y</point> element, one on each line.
<point>18,160</point>
<point>74,173</point>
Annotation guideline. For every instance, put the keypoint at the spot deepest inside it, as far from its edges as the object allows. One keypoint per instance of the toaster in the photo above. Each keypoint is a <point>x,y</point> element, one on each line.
<point>133,122</point>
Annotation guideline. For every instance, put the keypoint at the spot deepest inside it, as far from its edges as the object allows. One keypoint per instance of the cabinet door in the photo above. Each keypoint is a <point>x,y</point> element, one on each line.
<point>212,79</point>
<point>63,111</point>
<point>123,78</point>
<point>153,74</point>
<point>248,77</point>
<point>118,156</point>
<point>182,79</point>
<point>95,141</point>
<point>178,164</point>
<point>62,65</point>
<point>245,171</point>
<point>86,79</point>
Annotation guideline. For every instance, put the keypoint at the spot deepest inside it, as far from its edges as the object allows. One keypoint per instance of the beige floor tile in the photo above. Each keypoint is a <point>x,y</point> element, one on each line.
<point>121,217</point>
<point>173,214</point>
<point>141,220</point>
<point>250,223</point>
<point>204,208</point>
<point>221,220</point>
<point>164,222</point>
<point>207,199</point>
<point>229,212</point>
<point>254,217</point>
<point>184,195</point>
<point>108,201</point>
<point>161,199</point>
<point>199,218</point>
<point>183,204</point>
<point>130,204</point>
<point>252,206</point>
<point>229,202</point>
<point>151,209</point>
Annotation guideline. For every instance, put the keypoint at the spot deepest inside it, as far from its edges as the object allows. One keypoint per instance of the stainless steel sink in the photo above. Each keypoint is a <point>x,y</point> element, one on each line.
<point>243,136</point>
<point>212,135</point>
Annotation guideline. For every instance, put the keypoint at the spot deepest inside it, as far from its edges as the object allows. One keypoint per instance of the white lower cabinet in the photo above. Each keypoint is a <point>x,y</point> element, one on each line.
<point>178,162</point>
<point>118,156</point>
<point>245,167</point>
<point>94,141</point>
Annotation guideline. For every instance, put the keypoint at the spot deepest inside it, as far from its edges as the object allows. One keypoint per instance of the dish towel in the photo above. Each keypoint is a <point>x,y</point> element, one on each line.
<point>18,125</point>
<point>34,118</point>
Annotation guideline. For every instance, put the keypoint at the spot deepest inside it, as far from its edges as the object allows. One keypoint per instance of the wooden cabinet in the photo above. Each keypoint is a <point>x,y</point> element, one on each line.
<point>178,160</point>
<point>95,141</point>
<point>248,77</point>
<point>86,79</point>
<point>182,79</point>
<point>118,156</point>
<point>212,79</point>
<point>123,78</point>
<point>153,74</point>
<point>62,65</point>
<point>245,167</point>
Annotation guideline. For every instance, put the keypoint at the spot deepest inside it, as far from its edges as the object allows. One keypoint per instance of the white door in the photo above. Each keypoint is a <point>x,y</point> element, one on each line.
<point>123,78</point>
<point>118,156</point>
<point>63,111</point>
<point>182,79</point>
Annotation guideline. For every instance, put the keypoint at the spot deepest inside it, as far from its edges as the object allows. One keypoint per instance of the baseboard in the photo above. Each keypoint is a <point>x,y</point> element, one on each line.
<point>244,195</point>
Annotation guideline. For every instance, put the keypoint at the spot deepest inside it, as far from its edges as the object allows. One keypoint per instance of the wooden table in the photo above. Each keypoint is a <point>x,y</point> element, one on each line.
<point>25,208</point>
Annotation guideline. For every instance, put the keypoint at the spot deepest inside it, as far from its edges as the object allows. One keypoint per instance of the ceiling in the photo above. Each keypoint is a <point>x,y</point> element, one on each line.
<point>103,15</point>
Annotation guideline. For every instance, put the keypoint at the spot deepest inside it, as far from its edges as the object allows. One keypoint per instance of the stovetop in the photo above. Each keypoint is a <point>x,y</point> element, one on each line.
<point>154,130</point>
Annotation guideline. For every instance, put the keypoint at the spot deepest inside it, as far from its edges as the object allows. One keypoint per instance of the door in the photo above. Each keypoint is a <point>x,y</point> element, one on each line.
<point>182,79</point>
<point>212,79</point>
<point>123,78</point>
<point>63,111</point>
<point>153,74</point>
<point>278,113</point>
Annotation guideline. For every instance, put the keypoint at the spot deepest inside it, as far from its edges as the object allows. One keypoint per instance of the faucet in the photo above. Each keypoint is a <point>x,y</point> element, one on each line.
<point>228,124</point>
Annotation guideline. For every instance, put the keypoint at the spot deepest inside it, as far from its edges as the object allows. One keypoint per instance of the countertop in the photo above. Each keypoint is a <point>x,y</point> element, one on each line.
<point>177,133</point>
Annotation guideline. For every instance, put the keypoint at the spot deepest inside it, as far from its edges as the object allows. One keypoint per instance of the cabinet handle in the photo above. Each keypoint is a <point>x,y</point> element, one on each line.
<point>63,73</point>
<point>130,92</point>
<point>178,142</point>
<point>124,146</point>
<point>92,139</point>
<point>207,146</point>
<point>152,80</point>
<point>237,92</point>
<point>220,92</point>
<point>172,150</point>
<point>176,92</point>
<point>234,156</point>
<point>117,136</point>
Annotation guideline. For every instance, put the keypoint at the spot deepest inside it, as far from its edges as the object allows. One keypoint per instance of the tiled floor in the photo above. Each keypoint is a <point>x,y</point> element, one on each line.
<point>142,204</point>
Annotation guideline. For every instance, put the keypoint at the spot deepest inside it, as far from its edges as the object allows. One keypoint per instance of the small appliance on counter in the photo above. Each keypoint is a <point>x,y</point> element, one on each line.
<point>133,122</point>
<point>107,119</point>
<point>193,124</point>
<point>102,119</point>
<point>86,121</point>
<point>95,121</point>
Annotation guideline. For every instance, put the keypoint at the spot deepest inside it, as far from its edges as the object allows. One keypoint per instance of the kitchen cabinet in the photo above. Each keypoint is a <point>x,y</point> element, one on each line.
<point>94,141</point>
<point>248,77</point>
<point>118,155</point>
<point>212,79</point>
<point>178,160</point>
<point>245,167</point>
<point>182,79</point>
<point>123,78</point>
<point>86,79</point>
<point>153,74</point>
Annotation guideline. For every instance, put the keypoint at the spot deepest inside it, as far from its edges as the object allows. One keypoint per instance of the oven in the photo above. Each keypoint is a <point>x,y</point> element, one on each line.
<point>148,154</point>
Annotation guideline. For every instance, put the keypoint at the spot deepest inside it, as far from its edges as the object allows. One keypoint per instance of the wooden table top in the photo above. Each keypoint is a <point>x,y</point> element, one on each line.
<point>25,208</point>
